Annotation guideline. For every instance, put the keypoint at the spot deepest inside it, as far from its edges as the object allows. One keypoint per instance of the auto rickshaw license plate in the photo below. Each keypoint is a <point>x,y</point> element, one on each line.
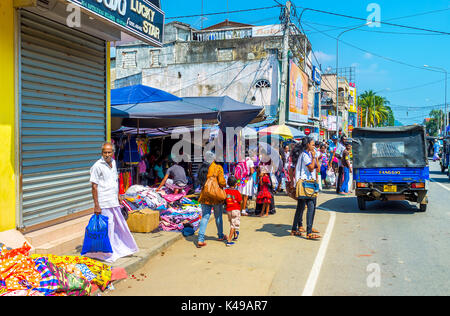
<point>390,188</point>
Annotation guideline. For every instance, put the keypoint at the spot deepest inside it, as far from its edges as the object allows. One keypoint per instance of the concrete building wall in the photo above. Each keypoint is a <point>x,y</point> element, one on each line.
<point>236,79</point>
<point>209,68</point>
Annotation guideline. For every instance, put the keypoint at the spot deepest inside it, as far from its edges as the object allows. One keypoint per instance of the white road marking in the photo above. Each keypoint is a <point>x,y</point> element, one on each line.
<point>448,189</point>
<point>315,271</point>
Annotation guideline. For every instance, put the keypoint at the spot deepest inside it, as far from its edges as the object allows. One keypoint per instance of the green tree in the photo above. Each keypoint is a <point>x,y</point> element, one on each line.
<point>375,110</point>
<point>435,123</point>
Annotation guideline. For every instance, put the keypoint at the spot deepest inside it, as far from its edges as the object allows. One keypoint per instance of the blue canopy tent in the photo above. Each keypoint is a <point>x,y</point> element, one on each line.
<point>146,107</point>
<point>140,94</point>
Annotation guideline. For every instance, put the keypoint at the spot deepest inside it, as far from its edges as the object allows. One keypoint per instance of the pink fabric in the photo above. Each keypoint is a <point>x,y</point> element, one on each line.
<point>170,198</point>
<point>142,167</point>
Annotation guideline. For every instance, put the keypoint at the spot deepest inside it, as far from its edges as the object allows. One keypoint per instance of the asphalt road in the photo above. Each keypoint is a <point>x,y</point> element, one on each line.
<point>389,249</point>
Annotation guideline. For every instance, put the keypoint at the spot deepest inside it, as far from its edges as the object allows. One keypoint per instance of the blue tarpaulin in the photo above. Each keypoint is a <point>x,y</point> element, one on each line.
<point>140,94</point>
<point>224,111</point>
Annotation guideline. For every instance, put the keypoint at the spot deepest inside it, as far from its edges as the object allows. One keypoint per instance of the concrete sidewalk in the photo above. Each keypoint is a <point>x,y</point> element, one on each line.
<point>155,244</point>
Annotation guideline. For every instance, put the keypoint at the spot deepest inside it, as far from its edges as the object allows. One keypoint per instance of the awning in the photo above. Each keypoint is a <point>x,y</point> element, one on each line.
<point>140,94</point>
<point>173,111</point>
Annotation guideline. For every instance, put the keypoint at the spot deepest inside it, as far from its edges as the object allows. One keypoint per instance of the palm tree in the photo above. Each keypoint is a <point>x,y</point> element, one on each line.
<point>375,111</point>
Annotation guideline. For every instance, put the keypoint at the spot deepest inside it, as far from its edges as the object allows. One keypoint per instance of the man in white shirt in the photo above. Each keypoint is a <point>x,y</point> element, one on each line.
<point>105,193</point>
<point>338,154</point>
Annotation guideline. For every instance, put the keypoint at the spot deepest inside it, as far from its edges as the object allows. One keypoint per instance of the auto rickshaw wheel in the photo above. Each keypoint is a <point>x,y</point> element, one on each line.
<point>361,203</point>
<point>423,207</point>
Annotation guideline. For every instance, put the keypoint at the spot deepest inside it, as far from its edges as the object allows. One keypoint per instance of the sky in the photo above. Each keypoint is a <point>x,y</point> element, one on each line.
<point>387,59</point>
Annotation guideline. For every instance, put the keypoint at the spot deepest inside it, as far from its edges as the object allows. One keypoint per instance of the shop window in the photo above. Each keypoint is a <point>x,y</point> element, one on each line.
<point>225,54</point>
<point>129,59</point>
<point>154,58</point>
<point>263,83</point>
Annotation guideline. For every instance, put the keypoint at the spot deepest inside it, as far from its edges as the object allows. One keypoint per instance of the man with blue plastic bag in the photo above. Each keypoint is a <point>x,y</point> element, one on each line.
<point>105,193</point>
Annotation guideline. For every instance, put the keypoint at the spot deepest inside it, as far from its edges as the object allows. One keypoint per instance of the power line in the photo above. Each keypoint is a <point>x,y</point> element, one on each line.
<point>416,87</point>
<point>222,13</point>
<point>336,27</point>
<point>418,107</point>
<point>372,53</point>
<point>235,81</point>
<point>380,22</point>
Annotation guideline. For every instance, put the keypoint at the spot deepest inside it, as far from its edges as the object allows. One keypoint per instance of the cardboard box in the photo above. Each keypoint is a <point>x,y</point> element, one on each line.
<point>144,221</point>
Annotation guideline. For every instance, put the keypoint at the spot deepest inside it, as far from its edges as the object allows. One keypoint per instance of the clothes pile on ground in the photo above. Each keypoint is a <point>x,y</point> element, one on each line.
<point>22,274</point>
<point>139,197</point>
<point>183,213</point>
<point>177,211</point>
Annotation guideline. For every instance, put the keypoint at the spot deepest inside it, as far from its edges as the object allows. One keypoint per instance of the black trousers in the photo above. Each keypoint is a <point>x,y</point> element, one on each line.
<point>298,218</point>
<point>339,180</point>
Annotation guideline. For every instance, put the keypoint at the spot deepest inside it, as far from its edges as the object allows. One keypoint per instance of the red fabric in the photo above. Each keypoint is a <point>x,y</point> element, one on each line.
<point>121,186</point>
<point>116,274</point>
<point>264,195</point>
<point>233,200</point>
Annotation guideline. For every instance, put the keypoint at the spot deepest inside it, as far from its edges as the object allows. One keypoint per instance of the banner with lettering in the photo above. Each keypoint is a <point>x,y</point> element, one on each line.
<point>138,18</point>
<point>298,94</point>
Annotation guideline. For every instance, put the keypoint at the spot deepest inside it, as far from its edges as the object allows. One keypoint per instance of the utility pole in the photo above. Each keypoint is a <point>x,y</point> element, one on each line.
<point>285,64</point>
<point>202,17</point>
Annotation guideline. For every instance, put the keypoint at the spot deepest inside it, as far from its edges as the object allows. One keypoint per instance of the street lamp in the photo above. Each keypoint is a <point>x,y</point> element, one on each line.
<point>337,72</point>
<point>446,77</point>
<point>374,97</point>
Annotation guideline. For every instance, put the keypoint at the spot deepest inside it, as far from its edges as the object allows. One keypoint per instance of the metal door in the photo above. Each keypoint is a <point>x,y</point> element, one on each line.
<point>62,117</point>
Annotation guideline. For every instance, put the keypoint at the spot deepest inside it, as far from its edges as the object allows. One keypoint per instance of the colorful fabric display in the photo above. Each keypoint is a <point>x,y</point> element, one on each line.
<point>173,219</point>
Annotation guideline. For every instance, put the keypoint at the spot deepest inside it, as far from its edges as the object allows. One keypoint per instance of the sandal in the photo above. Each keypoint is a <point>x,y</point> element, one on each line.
<point>201,244</point>
<point>296,233</point>
<point>236,236</point>
<point>302,230</point>
<point>224,238</point>
<point>312,236</point>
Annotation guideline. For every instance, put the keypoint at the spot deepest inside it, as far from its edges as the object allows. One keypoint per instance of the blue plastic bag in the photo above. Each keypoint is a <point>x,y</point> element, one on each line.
<point>96,237</point>
<point>188,231</point>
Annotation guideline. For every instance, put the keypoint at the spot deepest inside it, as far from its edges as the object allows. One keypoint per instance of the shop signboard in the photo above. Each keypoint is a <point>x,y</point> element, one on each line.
<point>222,35</point>
<point>352,121</point>
<point>352,100</point>
<point>141,19</point>
<point>298,94</point>
<point>268,30</point>
<point>317,76</point>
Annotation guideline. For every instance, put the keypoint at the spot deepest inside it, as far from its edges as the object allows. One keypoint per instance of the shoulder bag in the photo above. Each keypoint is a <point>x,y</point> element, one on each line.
<point>212,190</point>
<point>306,189</point>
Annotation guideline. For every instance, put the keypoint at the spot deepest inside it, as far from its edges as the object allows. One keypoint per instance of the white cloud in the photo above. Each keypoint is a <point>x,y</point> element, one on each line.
<point>324,57</point>
<point>372,70</point>
<point>368,56</point>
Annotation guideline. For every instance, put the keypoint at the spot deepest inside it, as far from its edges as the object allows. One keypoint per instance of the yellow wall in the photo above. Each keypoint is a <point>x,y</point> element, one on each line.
<point>7,118</point>
<point>108,91</point>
